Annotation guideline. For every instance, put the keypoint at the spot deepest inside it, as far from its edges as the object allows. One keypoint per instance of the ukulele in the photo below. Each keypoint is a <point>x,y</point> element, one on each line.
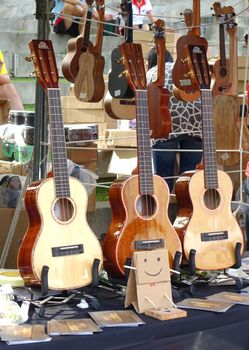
<point>139,203</point>
<point>76,46</point>
<point>184,88</point>
<point>118,84</point>
<point>221,74</point>
<point>158,96</point>
<point>208,229</point>
<point>58,236</point>
<point>120,108</point>
<point>89,85</point>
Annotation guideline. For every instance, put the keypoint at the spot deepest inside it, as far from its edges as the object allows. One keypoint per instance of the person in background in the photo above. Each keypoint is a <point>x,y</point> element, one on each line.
<point>186,129</point>
<point>140,9</point>
<point>66,23</point>
<point>7,89</point>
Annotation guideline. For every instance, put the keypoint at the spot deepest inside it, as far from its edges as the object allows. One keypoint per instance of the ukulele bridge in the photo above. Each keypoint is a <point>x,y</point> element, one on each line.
<point>214,236</point>
<point>149,244</point>
<point>68,250</point>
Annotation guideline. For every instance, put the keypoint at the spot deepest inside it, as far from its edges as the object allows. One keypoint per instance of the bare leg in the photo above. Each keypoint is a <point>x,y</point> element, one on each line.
<point>9,92</point>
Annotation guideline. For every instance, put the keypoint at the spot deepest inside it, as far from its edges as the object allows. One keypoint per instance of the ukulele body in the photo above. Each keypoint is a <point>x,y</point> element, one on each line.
<point>69,267</point>
<point>159,113</point>
<point>118,84</point>
<point>181,70</point>
<point>221,80</point>
<point>212,230</point>
<point>128,225</point>
<point>120,108</point>
<point>89,84</point>
<point>70,63</point>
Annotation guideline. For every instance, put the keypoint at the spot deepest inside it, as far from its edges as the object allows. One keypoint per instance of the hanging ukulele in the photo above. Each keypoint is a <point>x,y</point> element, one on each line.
<point>180,72</point>
<point>221,70</point>
<point>59,248</point>
<point>139,203</point>
<point>158,95</point>
<point>211,236</point>
<point>76,46</point>
<point>89,84</point>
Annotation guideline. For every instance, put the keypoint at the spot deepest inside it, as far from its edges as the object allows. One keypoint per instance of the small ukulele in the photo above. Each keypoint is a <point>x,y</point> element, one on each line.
<point>158,96</point>
<point>140,202</point>
<point>221,73</point>
<point>211,236</point>
<point>184,88</point>
<point>89,85</point>
<point>59,239</point>
<point>76,46</point>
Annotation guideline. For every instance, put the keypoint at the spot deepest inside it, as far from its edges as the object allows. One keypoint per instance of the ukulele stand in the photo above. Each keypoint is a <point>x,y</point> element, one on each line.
<point>60,300</point>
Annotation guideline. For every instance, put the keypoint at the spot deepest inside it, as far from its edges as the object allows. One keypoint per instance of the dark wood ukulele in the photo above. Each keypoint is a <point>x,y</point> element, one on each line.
<point>158,96</point>
<point>89,85</point>
<point>140,202</point>
<point>185,89</point>
<point>222,80</point>
<point>76,46</point>
<point>210,233</point>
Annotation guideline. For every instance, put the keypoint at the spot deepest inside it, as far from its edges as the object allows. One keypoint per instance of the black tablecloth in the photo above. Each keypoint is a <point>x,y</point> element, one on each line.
<point>201,330</point>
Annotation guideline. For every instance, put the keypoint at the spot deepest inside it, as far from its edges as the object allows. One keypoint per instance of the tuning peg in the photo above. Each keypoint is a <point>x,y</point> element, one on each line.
<point>186,60</point>
<point>125,74</point>
<point>29,58</point>
<point>121,60</point>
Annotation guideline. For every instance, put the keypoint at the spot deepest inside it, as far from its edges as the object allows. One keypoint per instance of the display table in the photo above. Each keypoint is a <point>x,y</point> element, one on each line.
<point>200,330</point>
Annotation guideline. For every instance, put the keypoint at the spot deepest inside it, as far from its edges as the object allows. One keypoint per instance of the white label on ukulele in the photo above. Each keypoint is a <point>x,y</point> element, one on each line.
<point>117,92</point>
<point>185,82</point>
<point>83,95</point>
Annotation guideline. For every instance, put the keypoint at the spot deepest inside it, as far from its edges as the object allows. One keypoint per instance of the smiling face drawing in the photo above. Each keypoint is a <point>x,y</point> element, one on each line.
<point>152,266</point>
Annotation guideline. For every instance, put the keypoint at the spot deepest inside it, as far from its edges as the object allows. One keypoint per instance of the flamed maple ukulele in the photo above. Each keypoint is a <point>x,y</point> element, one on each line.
<point>76,46</point>
<point>157,95</point>
<point>58,235</point>
<point>207,227</point>
<point>185,89</point>
<point>139,203</point>
<point>221,73</point>
<point>89,85</point>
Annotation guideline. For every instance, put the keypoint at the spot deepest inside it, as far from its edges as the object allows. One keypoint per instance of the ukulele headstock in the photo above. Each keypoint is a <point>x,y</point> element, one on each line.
<point>188,17</point>
<point>200,68</point>
<point>134,64</point>
<point>224,15</point>
<point>159,29</point>
<point>42,54</point>
<point>89,3</point>
<point>100,6</point>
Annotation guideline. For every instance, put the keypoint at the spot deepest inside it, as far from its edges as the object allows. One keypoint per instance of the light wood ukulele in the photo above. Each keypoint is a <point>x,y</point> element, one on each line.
<point>158,96</point>
<point>223,80</point>
<point>209,231</point>
<point>58,237</point>
<point>139,203</point>
<point>76,46</point>
<point>185,88</point>
<point>89,85</point>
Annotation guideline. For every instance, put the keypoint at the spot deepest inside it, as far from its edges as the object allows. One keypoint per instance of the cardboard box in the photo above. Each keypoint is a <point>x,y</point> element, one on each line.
<point>4,110</point>
<point>241,73</point>
<point>12,168</point>
<point>6,217</point>
<point>121,138</point>
<point>82,155</point>
<point>71,102</point>
<point>83,115</point>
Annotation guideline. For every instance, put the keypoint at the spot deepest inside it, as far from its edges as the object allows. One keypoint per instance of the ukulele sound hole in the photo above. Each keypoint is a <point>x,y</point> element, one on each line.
<point>63,209</point>
<point>223,71</point>
<point>212,199</point>
<point>146,205</point>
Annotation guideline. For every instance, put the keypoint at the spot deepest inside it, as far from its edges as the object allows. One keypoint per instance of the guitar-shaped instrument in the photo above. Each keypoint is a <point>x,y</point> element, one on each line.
<point>120,108</point>
<point>58,238</point>
<point>118,84</point>
<point>221,72</point>
<point>140,202</point>
<point>158,96</point>
<point>89,85</point>
<point>184,88</point>
<point>76,46</point>
<point>208,229</point>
